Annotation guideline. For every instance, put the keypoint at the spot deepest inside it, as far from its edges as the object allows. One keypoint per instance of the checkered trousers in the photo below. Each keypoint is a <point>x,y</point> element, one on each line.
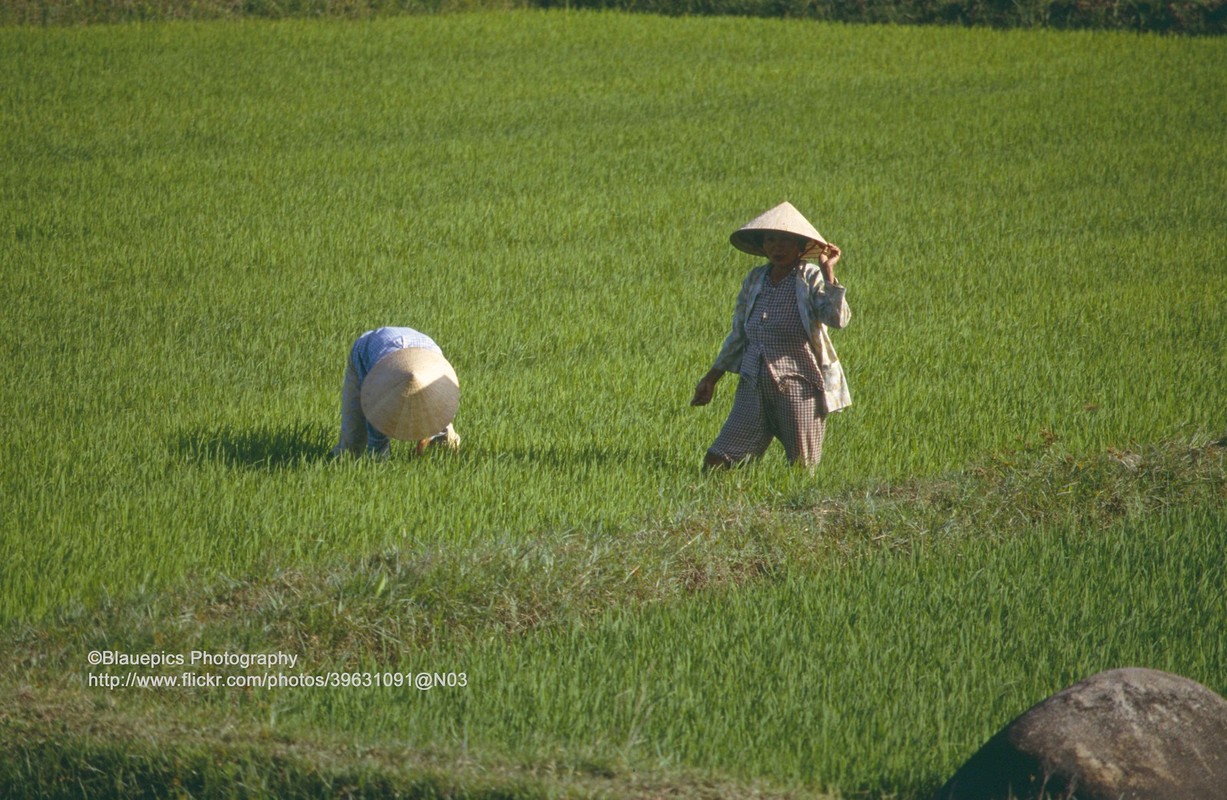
<point>779,391</point>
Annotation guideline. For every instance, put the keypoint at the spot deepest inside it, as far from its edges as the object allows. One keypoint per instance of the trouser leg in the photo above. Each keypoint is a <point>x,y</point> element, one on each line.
<point>798,418</point>
<point>376,443</point>
<point>745,435</point>
<point>353,421</point>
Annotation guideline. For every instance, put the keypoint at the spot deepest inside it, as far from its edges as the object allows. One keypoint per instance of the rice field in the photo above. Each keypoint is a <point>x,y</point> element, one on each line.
<point>199,218</point>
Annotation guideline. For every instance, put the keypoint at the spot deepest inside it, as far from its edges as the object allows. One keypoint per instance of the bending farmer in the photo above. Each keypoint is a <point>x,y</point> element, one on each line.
<point>398,385</point>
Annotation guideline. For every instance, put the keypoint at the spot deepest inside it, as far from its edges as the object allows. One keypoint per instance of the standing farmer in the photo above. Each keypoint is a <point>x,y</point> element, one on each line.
<point>399,385</point>
<point>789,376</point>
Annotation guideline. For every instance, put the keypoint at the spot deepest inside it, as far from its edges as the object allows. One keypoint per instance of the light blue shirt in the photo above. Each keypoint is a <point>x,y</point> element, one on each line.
<point>374,345</point>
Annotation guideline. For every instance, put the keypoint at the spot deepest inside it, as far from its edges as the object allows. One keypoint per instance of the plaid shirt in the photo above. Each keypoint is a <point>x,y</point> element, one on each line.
<point>820,304</point>
<point>775,337</point>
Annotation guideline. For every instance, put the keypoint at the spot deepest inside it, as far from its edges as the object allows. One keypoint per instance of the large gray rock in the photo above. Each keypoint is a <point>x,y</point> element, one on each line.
<point>1124,734</point>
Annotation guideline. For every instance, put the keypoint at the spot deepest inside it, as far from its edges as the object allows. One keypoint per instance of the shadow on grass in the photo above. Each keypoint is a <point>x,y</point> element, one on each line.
<point>266,447</point>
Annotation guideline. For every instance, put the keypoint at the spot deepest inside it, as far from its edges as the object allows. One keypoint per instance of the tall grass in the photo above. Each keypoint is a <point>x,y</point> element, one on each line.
<point>200,218</point>
<point>881,677</point>
<point>197,219</point>
<point>873,674</point>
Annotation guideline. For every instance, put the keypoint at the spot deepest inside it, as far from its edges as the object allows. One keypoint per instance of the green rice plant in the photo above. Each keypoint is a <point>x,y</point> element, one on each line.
<point>873,675</point>
<point>878,677</point>
<point>197,220</point>
<point>1029,253</point>
<point>807,649</point>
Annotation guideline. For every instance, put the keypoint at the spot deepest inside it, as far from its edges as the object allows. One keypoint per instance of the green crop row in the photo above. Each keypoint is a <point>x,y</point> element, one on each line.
<point>1033,227</point>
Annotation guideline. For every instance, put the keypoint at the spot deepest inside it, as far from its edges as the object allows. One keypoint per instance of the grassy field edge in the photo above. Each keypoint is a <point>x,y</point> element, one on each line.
<point>63,750</point>
<point>511,587</point>
<point>76,743</point>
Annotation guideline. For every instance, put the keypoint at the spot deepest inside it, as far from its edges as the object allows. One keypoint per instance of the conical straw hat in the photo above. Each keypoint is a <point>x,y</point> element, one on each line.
<point>784,218</point>
<point>411,394</point>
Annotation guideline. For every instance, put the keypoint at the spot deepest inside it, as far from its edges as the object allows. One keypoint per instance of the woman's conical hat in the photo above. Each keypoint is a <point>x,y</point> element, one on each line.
<point>784,218</point>
<point>411,394</point>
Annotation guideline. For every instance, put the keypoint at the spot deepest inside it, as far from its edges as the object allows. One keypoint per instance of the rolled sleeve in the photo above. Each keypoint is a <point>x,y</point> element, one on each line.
<point>829,304</point>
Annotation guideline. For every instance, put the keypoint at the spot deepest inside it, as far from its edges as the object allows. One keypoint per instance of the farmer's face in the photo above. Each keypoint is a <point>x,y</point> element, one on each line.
<point>782,250</point>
